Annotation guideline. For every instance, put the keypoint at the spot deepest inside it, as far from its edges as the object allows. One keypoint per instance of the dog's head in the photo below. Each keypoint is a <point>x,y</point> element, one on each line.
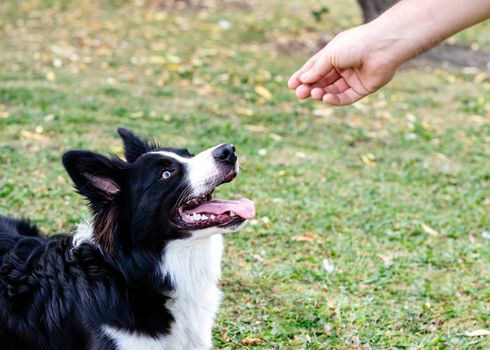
<point>158,194</point>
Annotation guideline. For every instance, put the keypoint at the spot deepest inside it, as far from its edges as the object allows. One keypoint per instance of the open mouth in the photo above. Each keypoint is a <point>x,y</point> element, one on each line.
<point>204,212</point>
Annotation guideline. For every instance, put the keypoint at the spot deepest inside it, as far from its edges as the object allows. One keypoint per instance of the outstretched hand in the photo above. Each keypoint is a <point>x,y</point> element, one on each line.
<point>347,69</point>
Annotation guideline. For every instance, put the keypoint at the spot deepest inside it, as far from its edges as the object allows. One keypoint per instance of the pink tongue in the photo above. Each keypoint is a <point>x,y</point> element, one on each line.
<point>242,207</point>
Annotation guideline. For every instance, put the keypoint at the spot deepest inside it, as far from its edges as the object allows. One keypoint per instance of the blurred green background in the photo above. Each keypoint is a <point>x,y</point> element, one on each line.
<point>373,227</point>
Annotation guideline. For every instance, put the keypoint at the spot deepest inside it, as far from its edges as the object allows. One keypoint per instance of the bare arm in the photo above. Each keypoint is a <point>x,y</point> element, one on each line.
<point>359,61</point>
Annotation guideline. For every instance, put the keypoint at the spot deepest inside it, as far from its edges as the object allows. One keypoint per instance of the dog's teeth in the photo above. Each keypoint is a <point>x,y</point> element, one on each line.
<point>194,217</point>
<point>232,213</point>
<point>212,217</point>
<point>204,217</point>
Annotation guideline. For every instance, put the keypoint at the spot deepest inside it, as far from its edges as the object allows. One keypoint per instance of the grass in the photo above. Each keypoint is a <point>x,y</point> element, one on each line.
<point>393,193</point>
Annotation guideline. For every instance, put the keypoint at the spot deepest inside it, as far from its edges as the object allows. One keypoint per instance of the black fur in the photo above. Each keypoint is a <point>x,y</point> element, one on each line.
<point>54,296</point>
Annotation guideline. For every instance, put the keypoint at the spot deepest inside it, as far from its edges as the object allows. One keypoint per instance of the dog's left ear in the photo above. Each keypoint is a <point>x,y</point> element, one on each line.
<point>134,146</point>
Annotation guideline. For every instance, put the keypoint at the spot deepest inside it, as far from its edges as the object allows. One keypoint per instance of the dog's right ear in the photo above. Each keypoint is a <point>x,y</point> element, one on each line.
<point>100,180</point>
<point>134,146</point>
<point>95,176</point>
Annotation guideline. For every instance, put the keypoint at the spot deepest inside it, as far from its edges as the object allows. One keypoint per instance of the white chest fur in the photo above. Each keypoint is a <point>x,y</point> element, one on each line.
<point>194,267</point>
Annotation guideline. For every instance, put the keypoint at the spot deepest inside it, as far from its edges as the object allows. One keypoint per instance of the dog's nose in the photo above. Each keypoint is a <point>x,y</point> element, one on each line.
<point>225,154</point>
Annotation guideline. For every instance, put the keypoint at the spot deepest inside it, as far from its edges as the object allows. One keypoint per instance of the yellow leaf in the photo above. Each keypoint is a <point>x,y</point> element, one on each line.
<point>275,137</point>
<point>244,111</point>
<point>33,136</point>
<point>252,341</point>
<point>306,237</point>
<point>256,128</point>
<point>451,78</point>
<point>480,77</point>
<point>158,60</point>
<point>323,113</point>
<point>263,92</point>
<point>174,67</point>
<point>50,76</point>
<point>137,115</point>
<point>430,230</point>
<point>369,159</point>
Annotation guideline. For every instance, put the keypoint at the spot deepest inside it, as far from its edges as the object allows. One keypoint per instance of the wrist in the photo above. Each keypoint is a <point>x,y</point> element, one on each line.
<point>386,46</point>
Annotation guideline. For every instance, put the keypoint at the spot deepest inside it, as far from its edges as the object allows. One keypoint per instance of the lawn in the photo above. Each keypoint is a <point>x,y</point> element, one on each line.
<point>373,225</point>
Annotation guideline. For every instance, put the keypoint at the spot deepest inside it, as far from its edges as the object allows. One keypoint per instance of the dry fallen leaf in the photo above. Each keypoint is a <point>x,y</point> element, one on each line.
<point>258,258</point>
<point>480,77</point>
<point>306,237</point>
<point>429,230</point>
<point>323,113</point>
<point>369,159</point>
<point>174,67</point>
<point>252,341</point>
<point>137,115</point>
<point>275,137</point>
<point>33,136</point>
<point>256,128</point>
<point>477,333</point>
<point>50,76</point>
<point>263,92</point>
<point>244,111</point>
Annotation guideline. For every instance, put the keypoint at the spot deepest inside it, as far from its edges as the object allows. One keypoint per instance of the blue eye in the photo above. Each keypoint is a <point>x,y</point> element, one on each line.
<point>166,174</point>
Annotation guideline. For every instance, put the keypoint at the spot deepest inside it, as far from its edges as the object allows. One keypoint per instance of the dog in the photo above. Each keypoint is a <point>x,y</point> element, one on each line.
<point>143,273</point>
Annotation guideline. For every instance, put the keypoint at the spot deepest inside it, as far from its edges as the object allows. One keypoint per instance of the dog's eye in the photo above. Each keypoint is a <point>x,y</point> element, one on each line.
<point>166,174</point>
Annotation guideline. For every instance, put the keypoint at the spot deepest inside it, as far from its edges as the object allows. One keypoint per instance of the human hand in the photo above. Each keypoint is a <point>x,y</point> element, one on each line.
<point>353,65</point>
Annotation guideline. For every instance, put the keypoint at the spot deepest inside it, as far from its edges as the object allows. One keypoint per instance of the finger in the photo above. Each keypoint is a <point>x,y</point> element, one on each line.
<point>303,91</point>
<point>347,97</point>
<point>321,67</point>
<point>332,83</point>
<point>317,93</point>
<point>337,87</point>
<point>328,79</point>
<point>294,81</point>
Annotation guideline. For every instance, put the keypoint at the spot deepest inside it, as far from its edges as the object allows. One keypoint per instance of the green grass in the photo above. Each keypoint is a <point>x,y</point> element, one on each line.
<point>368,181</point>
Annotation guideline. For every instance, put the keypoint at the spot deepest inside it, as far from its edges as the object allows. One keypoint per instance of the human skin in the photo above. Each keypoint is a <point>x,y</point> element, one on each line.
<point>361,60</point>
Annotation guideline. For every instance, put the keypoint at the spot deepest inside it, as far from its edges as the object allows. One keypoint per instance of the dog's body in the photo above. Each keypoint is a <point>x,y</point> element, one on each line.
<point>143,274</point>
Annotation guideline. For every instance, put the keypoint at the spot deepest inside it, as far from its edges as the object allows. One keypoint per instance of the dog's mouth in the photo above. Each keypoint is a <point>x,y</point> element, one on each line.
<point>204,211</point>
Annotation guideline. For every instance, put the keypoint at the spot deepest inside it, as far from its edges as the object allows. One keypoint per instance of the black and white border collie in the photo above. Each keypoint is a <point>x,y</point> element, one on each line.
<point>143,274</point>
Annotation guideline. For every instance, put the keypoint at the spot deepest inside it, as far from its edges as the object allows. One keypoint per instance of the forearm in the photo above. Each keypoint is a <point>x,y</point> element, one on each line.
<point>412,27</point>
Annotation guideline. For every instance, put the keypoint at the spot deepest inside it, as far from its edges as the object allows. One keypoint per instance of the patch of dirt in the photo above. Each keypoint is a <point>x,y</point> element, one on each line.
<point>455,56</point>
<point>198,5</point>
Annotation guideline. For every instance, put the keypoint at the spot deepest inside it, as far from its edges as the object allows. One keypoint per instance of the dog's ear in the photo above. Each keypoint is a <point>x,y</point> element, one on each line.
<point>99,179</point>
<point>94,175</point>
<point>134,146</point>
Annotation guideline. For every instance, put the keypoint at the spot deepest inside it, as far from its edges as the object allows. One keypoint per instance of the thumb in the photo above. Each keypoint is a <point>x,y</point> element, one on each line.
<point>321,67</point>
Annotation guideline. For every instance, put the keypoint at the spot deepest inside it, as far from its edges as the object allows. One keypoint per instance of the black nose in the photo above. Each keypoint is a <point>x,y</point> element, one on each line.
<point>225,154</point>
